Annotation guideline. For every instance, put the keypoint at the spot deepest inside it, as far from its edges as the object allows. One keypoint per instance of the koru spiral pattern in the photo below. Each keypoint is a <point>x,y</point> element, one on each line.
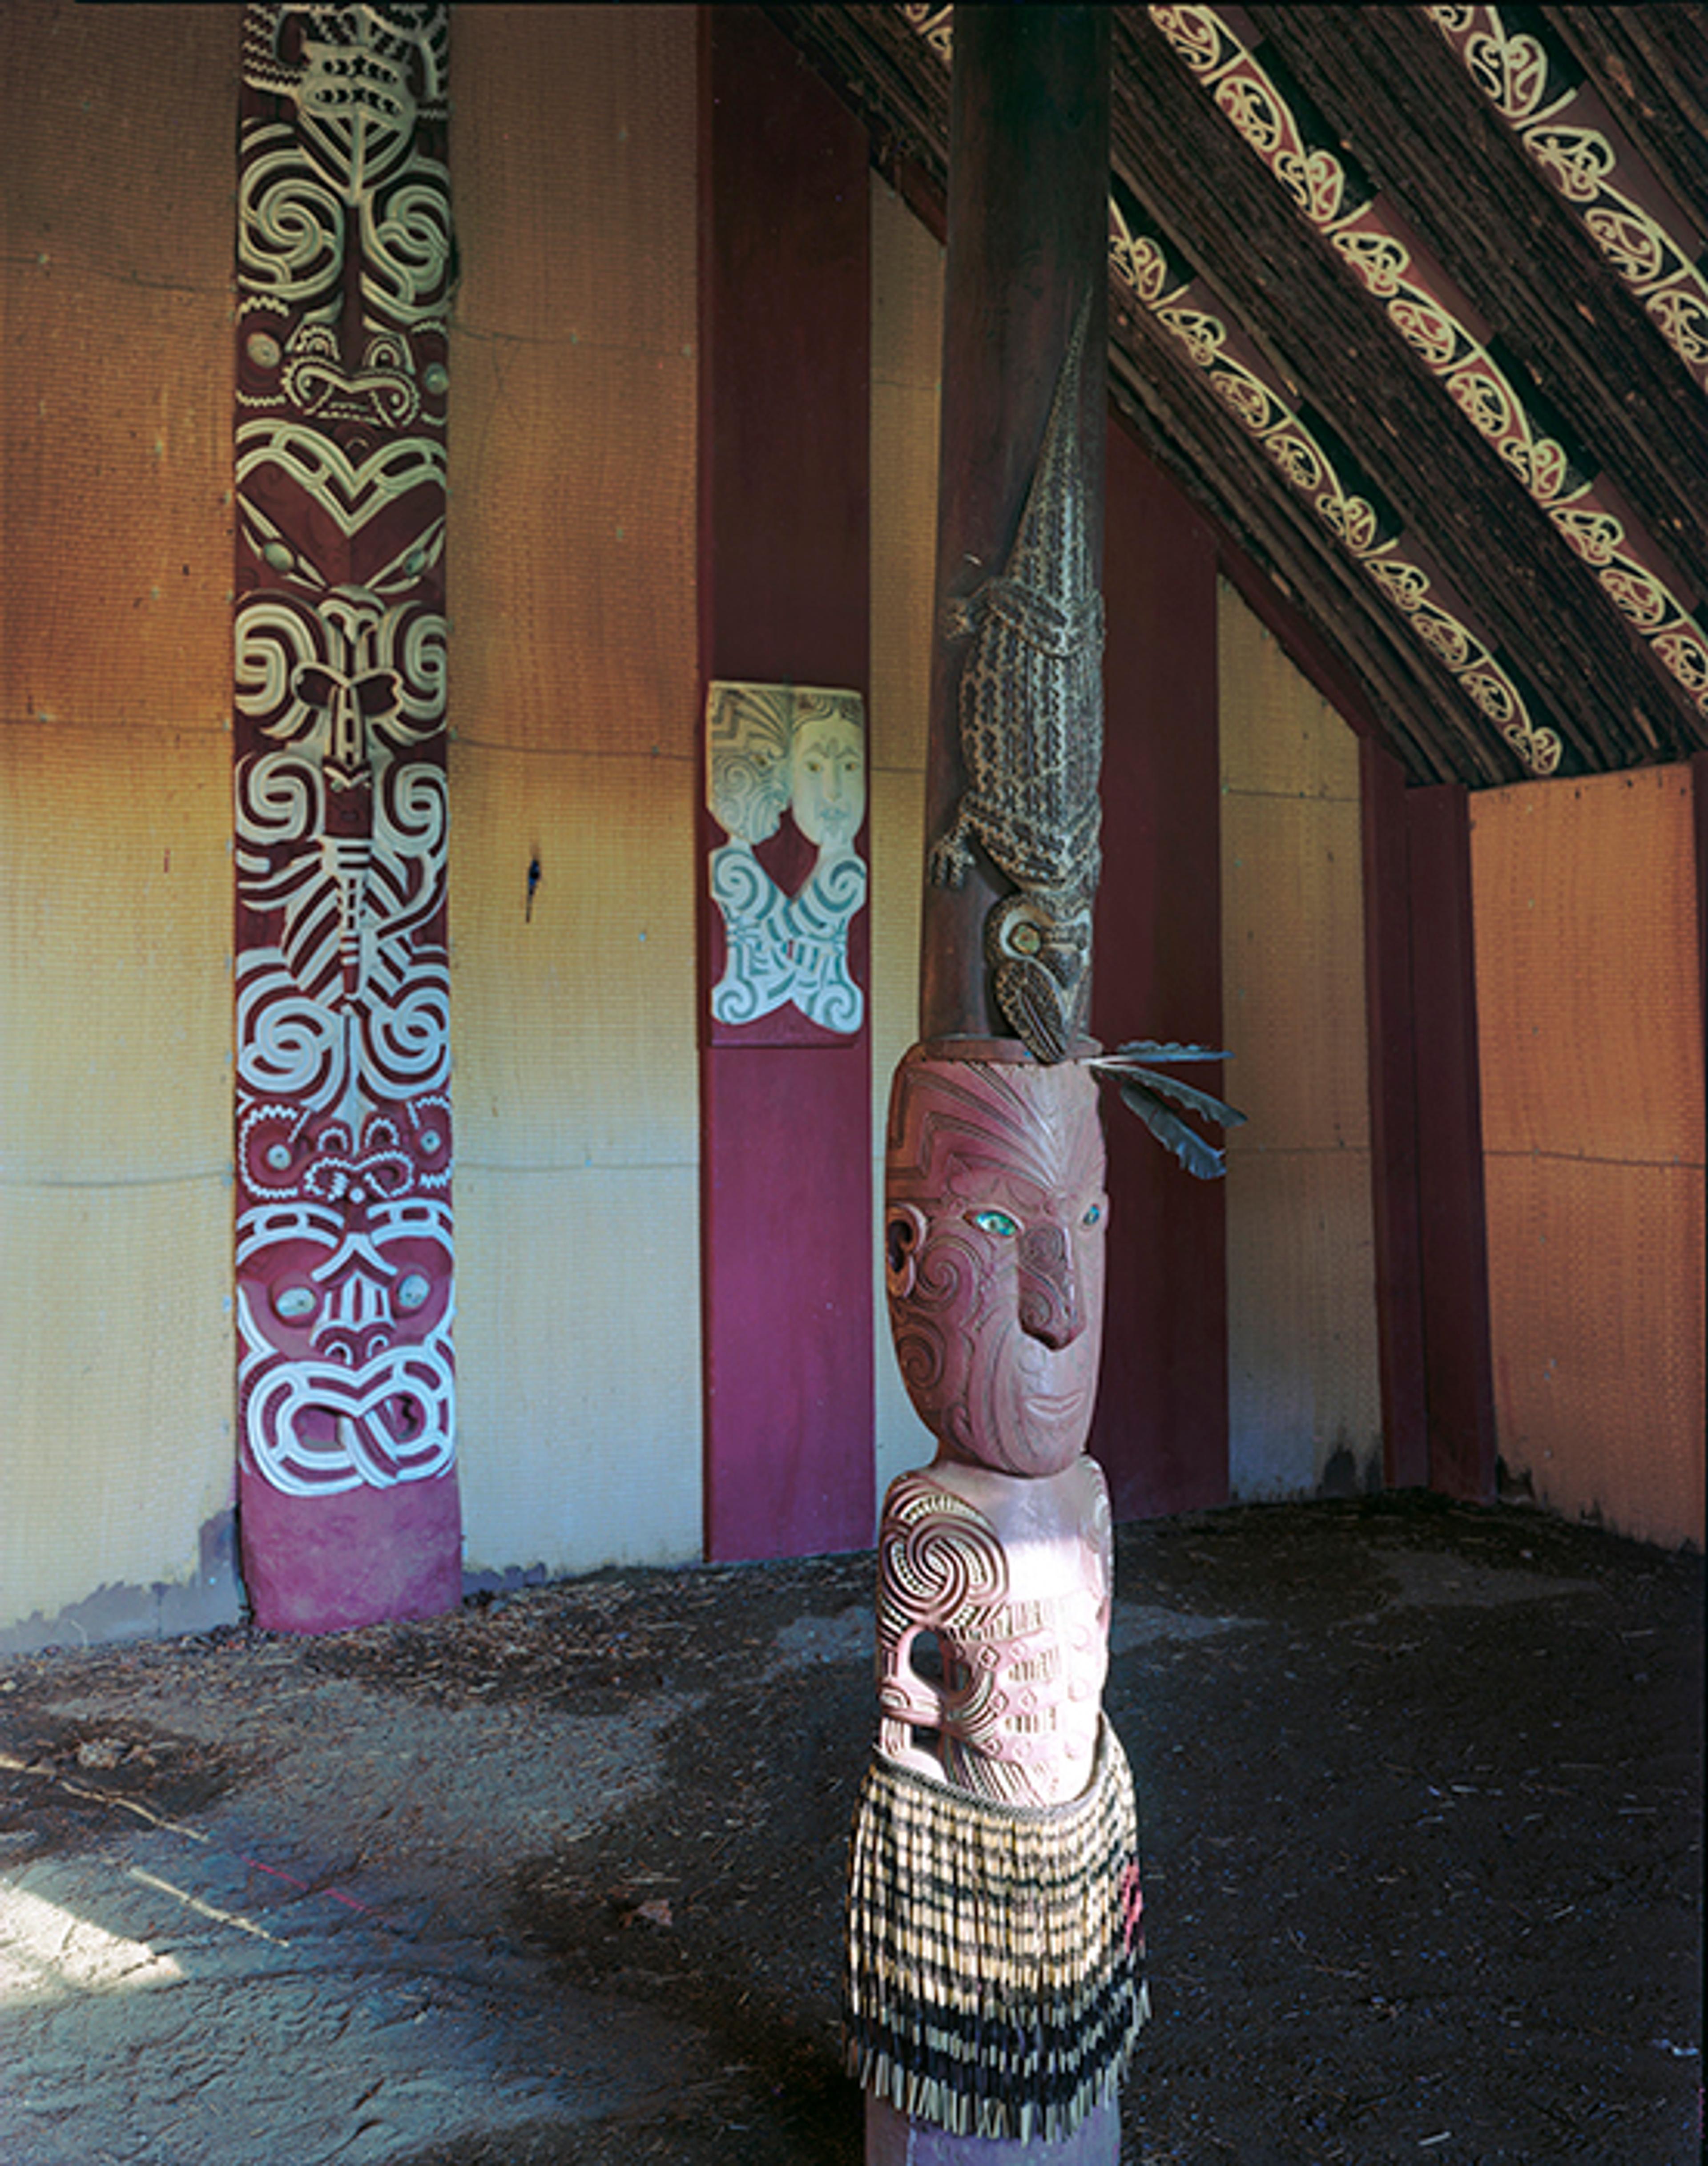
<point>343,1117</point>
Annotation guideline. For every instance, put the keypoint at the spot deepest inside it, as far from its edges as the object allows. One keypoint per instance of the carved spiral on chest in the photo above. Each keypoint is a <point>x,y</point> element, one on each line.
<point>940,1560</point>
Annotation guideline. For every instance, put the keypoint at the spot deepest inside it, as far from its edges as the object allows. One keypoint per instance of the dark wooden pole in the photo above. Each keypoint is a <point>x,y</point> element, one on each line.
<point>1029,190</point>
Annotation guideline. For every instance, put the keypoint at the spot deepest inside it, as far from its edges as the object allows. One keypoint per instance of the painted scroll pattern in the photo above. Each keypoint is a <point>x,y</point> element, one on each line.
<point>1439,323</point>
<point>345,1293</point>
<point>1652,245</point>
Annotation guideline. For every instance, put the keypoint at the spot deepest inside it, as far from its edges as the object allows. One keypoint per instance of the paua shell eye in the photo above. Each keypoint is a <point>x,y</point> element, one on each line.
<point>295,1302</point>
<point>1094,1215</point>
<point>994,1222</point>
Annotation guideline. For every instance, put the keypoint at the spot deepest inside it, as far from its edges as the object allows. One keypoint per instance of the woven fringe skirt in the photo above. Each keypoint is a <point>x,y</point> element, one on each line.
<point>992,1976</point>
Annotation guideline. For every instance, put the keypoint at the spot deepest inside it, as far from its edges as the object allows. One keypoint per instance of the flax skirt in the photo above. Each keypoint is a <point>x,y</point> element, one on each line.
<point>992,1976</point>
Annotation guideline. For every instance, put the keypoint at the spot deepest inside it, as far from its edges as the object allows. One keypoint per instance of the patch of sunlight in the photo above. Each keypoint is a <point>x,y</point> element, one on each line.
<point>44,1949</point>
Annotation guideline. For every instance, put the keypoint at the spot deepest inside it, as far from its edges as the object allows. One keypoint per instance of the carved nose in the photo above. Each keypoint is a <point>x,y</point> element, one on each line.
<point>1050,1303</point>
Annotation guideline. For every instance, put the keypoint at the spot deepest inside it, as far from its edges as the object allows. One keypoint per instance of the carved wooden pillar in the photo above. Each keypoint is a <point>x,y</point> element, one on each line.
<point>1028,244</point>
<point>996,1818</point>
<point>347,1498</point>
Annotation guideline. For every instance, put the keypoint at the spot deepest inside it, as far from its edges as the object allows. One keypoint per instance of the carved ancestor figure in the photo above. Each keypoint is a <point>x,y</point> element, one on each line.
<point>992,1981</point>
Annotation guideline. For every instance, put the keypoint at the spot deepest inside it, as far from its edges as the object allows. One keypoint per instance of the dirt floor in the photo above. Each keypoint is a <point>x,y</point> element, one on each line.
<point>555,1882</point>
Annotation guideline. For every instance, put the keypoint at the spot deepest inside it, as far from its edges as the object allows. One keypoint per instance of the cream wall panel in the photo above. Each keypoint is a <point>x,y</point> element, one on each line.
<point>574,157</point>
<point>905,370</point>
<point>1292,965</point>
<point>1303,1374</point>
<point>115,985</point>
<point>116,1345</point>
<point>573,1028</point>
<point>578,1366</point>
<point>571,548</point>
<point>897,818</point>
<point>904,551</point>
<point>1278,736</point>
<point>1587,979</point>
<point>575,708</point>
<point>1303,1386</point>
<point>1596,1300</point>
<point>116,1353</point>
<point>907,295</point>
<point>897,814</point>
<point>906,358</point>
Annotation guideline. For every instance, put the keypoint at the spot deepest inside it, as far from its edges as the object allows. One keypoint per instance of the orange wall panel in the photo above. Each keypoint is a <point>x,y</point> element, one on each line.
<point>1590,1025</point>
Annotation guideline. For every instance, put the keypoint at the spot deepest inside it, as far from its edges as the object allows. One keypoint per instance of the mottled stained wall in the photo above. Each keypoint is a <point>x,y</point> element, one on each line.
<point>116,1351</point>
<point>906,371</point>
<point>1304,1401</point>
<point>573,698</point>
<point>1590,1031</point>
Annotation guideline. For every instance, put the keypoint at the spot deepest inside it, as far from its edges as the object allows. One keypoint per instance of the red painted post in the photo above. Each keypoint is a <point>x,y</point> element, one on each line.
<point>348,1496</point>
<point>1393,1053</point>
<point>1161,1427</point>
<point>786,1140</point>
<point>1453,1240</point>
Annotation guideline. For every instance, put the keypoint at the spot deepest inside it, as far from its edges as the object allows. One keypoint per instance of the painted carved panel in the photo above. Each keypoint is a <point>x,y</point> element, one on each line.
<point>343,1295</point>
<point>785,781</point>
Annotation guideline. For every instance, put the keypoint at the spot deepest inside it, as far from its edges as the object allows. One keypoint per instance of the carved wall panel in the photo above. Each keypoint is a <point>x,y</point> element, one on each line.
<point>348,1495</point>
<point>785,774</point>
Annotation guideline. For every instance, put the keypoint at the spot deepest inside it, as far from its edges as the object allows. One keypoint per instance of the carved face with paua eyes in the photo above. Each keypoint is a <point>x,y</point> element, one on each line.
<point>994,1228</point>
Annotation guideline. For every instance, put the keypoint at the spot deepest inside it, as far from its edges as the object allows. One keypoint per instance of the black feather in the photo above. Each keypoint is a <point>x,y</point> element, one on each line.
<point>1187,1095</point>
<point>1201,1159</point>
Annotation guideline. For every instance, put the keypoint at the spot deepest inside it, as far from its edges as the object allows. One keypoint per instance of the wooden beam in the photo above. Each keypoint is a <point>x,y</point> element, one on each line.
<point>1451,488</point>
<point>1387,79</point>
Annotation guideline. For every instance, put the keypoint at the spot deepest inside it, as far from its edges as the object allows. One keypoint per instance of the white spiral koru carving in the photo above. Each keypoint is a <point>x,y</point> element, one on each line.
<point>347,689</point>
<point>291,222</point>
<point>785,949</point>
<point>345,1313</point>
<point>362,78</point>
<point>392,1417</point>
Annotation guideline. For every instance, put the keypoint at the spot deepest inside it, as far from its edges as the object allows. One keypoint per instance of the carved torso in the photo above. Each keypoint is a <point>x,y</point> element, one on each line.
<point>1012,1574</point>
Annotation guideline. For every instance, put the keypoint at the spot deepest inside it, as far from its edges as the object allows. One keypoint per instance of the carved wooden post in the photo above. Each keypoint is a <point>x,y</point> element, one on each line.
<point>348,1499</point>
<point>1028,253</point>
<point>991,1986</point>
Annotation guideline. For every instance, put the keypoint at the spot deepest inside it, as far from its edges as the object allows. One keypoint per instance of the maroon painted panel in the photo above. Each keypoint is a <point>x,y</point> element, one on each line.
<point>1393,1138</point>
<point>1161,1429</point>
<point>786,1222</point>
<point>1452,1221</point>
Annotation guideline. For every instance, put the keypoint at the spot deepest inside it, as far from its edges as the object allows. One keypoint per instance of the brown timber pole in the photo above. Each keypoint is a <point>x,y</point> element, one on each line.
<point>1028,253</point>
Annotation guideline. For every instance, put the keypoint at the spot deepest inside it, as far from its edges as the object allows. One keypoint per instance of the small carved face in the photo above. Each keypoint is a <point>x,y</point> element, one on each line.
<point>995,1225</point>
<point>828,773</point>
